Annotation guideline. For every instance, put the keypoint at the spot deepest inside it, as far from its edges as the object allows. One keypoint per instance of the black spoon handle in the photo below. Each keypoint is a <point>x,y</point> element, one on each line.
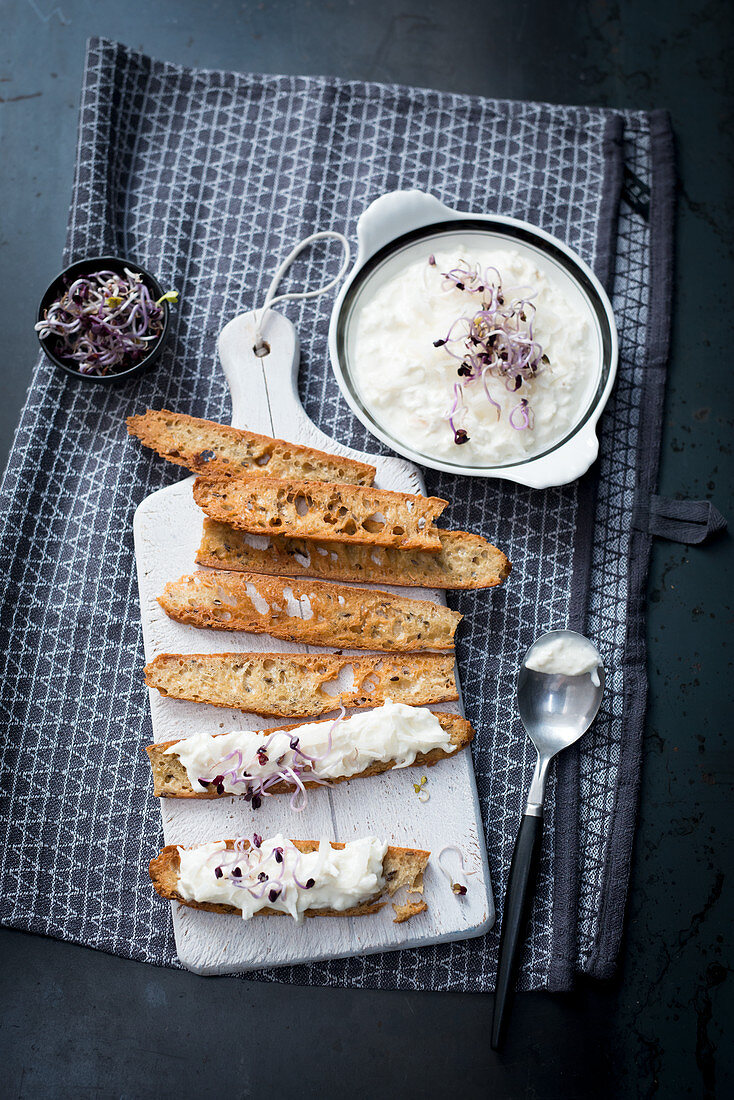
<point>523,871</point>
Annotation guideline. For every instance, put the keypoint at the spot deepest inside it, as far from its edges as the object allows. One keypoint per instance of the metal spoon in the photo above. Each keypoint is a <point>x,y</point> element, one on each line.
<point>555,709</point>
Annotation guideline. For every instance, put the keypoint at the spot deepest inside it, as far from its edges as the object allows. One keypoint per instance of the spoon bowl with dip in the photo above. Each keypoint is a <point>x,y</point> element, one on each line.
<point>559,691</point>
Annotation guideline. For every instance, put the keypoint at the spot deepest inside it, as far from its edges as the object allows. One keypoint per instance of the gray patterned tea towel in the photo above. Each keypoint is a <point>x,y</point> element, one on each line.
<point>207,179</point>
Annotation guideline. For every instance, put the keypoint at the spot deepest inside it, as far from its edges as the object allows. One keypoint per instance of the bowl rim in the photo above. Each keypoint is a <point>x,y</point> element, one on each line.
<point>569,457</point>
<point>77,267</point>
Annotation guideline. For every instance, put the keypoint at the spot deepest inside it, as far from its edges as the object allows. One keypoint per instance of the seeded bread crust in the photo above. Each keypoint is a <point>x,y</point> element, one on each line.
<point>170,778</point>
<point>346,618</point>
<point>222,451</point>
<point>400,867</point>
<point>465,561</point>
<point>293,685</point>
<point>319,510</point>
<point>407,910</point>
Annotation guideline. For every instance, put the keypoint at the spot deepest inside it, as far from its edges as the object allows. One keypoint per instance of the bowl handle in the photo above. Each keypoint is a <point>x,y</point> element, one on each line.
<point>393,214</point>
<point>564,465</point>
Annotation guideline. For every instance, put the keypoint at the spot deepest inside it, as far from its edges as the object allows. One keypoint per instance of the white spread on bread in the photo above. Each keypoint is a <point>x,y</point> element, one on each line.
<point>322,750</point>
<point>277,876</point>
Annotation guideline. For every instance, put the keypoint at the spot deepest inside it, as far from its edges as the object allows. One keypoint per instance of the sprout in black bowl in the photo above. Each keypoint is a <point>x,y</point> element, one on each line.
<point>104,319</point>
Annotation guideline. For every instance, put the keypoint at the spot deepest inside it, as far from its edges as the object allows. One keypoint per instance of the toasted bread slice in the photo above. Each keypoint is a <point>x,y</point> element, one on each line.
<point>222,451</point>
<point>400,867</point>
<point>295,685</point>
<point>319,510</point>
<point>170,779</point>
<point>464,560</point>
<point>346,618</point>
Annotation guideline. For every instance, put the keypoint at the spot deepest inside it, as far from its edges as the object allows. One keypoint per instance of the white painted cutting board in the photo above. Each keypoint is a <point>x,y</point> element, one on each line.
<point>168,527</point>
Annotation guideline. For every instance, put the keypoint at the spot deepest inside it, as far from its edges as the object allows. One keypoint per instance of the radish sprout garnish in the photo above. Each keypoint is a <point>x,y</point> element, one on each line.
<point>244,867</point>
<point>497,341</point>
<point>459,888</point>
<point>104,322</point>
<point>296,772</point>
<point>419,788</point>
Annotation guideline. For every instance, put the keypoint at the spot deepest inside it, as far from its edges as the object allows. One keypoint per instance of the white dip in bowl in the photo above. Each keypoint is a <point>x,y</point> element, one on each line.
<point>408,385</point>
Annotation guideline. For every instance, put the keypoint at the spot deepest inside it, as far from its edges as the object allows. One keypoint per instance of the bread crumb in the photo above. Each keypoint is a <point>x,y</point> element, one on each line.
<point>407,910</point>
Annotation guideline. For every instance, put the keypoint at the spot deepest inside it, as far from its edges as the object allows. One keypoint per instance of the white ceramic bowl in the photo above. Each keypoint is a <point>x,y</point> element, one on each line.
<point>386,232</point>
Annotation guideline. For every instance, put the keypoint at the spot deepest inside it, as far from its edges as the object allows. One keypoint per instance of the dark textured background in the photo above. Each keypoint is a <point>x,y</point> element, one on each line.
<point>77,1022</point>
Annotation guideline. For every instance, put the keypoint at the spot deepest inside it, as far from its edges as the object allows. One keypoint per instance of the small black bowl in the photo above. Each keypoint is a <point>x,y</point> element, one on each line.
<point>88,267</point>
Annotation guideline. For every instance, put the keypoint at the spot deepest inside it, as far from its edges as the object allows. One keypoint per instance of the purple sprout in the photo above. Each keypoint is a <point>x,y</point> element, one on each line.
<point>496,342</point>
<point>256,787</point>
<point>104,323</point>
<point>243,866</point>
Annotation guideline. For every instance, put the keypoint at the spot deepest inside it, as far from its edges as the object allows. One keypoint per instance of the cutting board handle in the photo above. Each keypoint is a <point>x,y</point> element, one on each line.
<point>256,382</point>
<point>265,388</point>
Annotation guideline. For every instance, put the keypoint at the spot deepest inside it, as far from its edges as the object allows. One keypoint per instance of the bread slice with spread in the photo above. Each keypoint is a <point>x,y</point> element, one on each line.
<point>292,759</point>
<point>301,878</point>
